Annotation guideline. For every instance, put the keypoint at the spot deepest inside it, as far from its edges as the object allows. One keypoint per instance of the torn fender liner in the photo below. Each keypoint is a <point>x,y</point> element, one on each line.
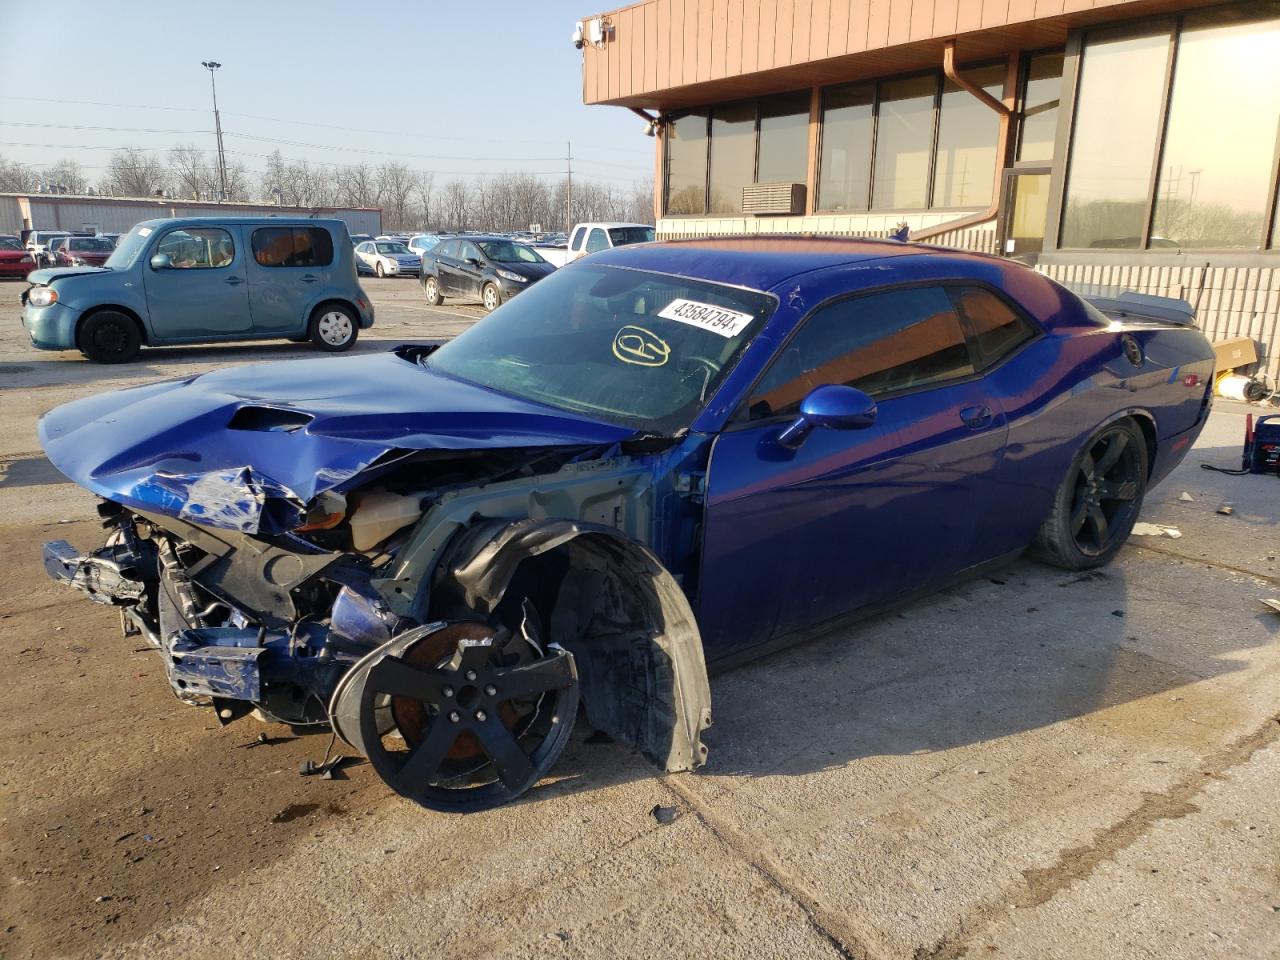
<point>619,612</point>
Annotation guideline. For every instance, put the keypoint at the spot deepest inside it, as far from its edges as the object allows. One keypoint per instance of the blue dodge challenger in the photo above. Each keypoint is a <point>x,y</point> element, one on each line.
<point>662,457</point>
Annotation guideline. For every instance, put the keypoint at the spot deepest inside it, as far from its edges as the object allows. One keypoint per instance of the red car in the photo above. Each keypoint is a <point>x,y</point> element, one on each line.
<point>83,252</point>
<point>15,262</point>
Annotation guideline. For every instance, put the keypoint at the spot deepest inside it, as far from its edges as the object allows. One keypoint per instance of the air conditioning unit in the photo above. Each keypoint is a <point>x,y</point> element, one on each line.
<point>763,199</point>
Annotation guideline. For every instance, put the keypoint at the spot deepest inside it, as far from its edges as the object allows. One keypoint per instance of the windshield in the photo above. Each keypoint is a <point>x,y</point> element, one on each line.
<point>7,244</point>
<point>129,247</point>
<point>392,248</point>
<point>504,251</point>
<point>638,349</point>
<point>621,236</point>
<point>90,245</point>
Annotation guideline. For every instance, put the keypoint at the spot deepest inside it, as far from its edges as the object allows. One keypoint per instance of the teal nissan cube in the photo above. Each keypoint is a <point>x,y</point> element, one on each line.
<point>204,280</point>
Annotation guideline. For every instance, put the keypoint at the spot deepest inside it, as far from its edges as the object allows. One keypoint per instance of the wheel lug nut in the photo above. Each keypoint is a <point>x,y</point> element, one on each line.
<point>481,716</point>
<point>490,690</point>
<point>455,716</point>
<point>446,691</point>
<point>471,674</point>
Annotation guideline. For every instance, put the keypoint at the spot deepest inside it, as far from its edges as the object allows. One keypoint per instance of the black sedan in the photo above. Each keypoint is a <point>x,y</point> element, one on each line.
<point>476,267</point>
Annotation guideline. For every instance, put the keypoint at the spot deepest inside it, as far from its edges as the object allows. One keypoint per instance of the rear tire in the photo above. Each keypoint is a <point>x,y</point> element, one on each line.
<point>490,297</point>
<point>1099,500</point>
<point>110,336</point>
<point>431,288</point>
<point>334,328</point>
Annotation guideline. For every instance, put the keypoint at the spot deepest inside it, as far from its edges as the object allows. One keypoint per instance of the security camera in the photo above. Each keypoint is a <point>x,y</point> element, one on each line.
<point>579,39</point>
<point>650,128</point>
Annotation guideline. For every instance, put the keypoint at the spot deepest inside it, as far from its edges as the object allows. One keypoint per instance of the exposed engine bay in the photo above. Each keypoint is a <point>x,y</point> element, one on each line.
<point>434,609</point>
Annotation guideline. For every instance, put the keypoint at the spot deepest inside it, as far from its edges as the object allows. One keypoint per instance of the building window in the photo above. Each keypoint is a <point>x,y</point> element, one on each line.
<point>1216,168</point>
<point>1117,121</point>
<point>687,164</point>
<point>904,136</point>
<point>733,155</point>
<point>1041,97</point>
<point>847,129</point>
<point>968,132</point>
<point>784,139</point>
<point>935,145</point>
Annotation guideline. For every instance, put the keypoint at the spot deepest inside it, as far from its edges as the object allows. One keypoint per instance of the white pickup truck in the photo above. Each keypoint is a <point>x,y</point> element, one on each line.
<point>590,237</point>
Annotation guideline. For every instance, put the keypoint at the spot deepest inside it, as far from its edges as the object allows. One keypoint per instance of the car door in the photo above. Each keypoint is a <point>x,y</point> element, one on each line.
<point>288,266</point>
<point>852,518</point>
<point>470,269</point>
<point>446,258</point>
<point>203,291</point>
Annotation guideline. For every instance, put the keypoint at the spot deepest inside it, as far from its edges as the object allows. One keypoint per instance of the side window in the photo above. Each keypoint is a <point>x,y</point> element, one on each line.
<point>469,251</point>
<point>994,328</point>
<point>882,343</point>
<point>197,248</point>
<point>446,248</point>
<point>292,247</point>
<point>597,241</point>
<point>576,242</point>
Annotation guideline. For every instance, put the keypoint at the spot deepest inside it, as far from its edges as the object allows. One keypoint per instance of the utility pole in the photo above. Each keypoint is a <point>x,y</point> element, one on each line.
<point>568,189</point>
<point>212,65</point>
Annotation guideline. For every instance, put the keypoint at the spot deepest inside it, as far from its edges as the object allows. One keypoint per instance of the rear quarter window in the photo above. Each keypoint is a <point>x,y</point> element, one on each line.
<point>995,328</point>
<point>292,247</point>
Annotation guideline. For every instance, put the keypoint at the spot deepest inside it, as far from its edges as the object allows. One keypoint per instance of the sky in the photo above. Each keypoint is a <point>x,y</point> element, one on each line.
<point>457,88</point>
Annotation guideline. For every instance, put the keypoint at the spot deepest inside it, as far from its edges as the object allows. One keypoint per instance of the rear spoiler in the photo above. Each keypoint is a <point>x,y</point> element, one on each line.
<point>1144,306</point>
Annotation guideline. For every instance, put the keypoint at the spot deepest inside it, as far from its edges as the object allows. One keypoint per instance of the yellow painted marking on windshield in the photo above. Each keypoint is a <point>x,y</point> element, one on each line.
<point>642,347</point>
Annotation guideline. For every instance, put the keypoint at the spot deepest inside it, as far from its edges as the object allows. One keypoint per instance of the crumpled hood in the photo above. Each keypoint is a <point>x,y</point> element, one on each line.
<point>247,447</point>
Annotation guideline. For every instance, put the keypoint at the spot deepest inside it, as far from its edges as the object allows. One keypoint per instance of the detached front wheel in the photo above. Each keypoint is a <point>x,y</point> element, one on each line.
<point>1099,501</point>
<point>459,717</point>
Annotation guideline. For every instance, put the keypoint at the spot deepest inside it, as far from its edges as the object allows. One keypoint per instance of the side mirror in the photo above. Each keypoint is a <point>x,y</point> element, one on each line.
<point>473,261</point>
<point>161,261</point>
<point>833,406</point>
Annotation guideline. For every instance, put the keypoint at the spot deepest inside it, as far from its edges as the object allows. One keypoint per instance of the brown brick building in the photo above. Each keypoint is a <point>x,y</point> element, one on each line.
<point>1112,143</point>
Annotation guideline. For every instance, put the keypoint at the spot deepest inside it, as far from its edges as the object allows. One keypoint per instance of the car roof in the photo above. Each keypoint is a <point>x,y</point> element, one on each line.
<point>762,262</point>
<point>610,224</point>
<point>265,221</point>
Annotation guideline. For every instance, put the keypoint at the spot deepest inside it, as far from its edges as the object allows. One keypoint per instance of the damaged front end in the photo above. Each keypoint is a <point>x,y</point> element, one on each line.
<point>447,590</point>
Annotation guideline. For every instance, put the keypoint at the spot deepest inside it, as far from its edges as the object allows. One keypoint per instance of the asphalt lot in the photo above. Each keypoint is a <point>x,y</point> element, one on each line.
<point>1033,764</point>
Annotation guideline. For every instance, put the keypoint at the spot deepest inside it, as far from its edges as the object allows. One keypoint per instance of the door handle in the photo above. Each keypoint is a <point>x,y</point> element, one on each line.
<point>309,278</point>
<point>234,281</point>
<point>976,417</point>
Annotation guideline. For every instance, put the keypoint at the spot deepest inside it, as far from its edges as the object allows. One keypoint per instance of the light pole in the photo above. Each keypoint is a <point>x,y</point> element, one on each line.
<point>212,65</point>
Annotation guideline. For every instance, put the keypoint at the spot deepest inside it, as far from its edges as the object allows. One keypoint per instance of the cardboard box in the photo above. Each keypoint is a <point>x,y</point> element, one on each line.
<point>1231,354</point>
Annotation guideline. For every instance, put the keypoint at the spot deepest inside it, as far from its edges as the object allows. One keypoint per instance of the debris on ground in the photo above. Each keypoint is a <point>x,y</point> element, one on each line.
<point>664,815</point>
<point>1227,508</point>
<point>1271,603</point>
<point>1156,530</point>
<point>1187,497</point>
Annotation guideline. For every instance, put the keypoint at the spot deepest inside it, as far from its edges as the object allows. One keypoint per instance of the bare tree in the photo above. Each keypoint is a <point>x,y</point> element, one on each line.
<point>424,186</point>
<point>189,174</point>
<point>356,186</point>
<point>16,177</point>
<point>65,176</point>
<point>135,173</point>
<point>457,204</point>
<point>396,186</point>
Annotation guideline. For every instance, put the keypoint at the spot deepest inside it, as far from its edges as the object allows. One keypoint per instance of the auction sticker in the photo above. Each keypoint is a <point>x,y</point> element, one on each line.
<point>706,316</point>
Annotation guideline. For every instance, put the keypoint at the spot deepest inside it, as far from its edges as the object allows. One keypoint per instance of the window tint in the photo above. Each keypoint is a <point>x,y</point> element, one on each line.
<point>197,248</point>
<point>733,154</point>
<point>1112,149</point>
<point>846,147</point>
<point>597,241</point>
<point>968,129</point>
<point>1040,101</point>
<point>687,164</point>
<point>784,139</point>
<point>292,247</point>
<point>879,343</point>
<point>994,327</point>
<point>1216,167</point>
<point>621,236</point>
<point>904,140</point>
